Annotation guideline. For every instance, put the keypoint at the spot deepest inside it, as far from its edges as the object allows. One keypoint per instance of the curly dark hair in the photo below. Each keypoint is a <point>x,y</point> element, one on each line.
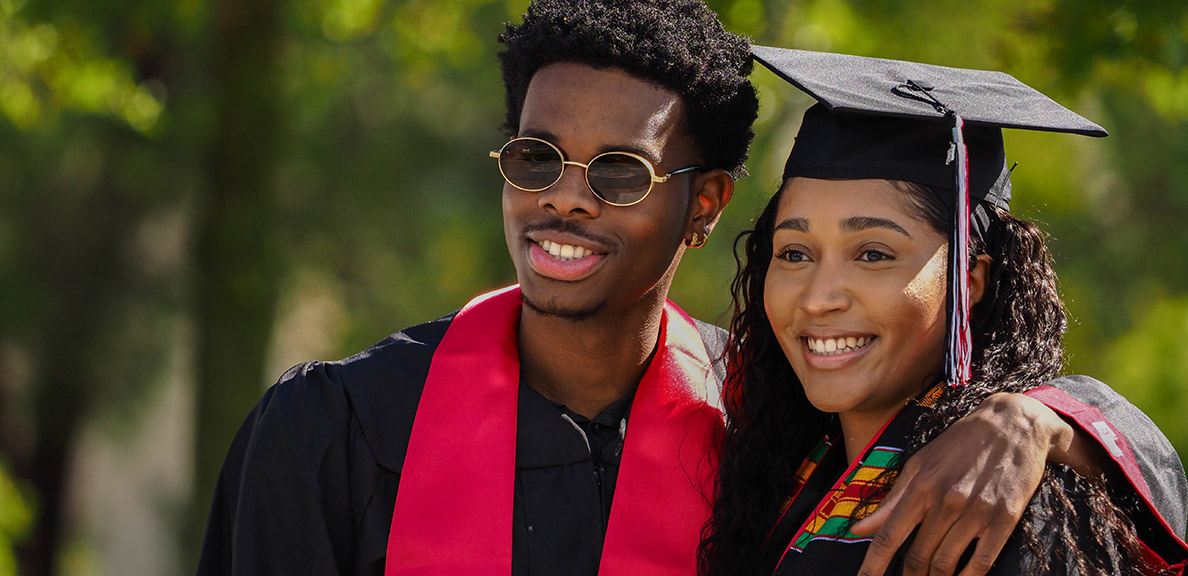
<point>1018,330</point>
<point>676,44</point>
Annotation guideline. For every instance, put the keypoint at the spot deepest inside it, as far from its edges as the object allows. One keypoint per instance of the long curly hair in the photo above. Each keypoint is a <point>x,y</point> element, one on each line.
<point>679,45</point>
<point>1018,330</point>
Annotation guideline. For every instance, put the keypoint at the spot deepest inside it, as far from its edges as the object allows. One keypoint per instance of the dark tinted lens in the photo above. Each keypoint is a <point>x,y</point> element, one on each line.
<point>619,178</point>
<point>530,164</point>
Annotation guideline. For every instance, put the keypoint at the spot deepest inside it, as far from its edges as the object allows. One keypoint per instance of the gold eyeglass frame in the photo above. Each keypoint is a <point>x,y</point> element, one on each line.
<point>586,170</point>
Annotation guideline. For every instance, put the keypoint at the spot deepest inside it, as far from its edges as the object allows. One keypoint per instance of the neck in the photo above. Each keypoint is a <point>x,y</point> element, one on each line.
<point>859,428</point>
<point>588,364</point>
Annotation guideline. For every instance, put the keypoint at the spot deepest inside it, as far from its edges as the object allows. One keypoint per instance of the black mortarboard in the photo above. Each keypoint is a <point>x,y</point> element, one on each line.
<point>932,125</point>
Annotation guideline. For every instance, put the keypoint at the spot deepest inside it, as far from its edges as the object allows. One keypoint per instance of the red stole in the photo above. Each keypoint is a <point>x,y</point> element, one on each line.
<point>453,511</point>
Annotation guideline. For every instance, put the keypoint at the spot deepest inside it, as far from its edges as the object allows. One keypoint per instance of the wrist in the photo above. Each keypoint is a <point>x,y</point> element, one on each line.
<point>1060,436</point>
<point>1049,430</point>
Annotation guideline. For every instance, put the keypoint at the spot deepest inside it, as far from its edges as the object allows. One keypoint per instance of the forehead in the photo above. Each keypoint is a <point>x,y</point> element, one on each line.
<point>835,200</point>
<point>587,110</point>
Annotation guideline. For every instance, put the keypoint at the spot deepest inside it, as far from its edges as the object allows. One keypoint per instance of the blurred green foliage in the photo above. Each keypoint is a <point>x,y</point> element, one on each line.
<point>380,207</point>
<point>16,514</point>
<point>52,67</point>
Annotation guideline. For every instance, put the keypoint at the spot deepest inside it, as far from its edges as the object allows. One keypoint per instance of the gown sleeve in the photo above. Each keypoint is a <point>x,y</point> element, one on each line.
<point>283,501</point>
<point>1148,462</point>
<point>1146,457</point>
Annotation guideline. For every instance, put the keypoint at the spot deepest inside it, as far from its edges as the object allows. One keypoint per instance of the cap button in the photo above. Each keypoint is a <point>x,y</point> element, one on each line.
<point>921,85</point>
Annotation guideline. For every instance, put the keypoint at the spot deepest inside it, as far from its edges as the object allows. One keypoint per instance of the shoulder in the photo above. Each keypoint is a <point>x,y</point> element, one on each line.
<point>393,368</point>
<point>714,336</point>
<point>395,365</point>
<point>288,464</point>
<point>313,458</point>
<point>382,386</point>
<point>1091,391</point>
<point>715,339</point>
<point>373,393</point>
<point>407,351</point>
<point>1156,458</point>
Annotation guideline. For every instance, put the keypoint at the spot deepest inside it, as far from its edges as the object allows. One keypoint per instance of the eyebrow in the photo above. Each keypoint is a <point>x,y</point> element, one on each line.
<point>634,150</point>
<point>853,224</point>
<point>794,224</point>
<point>552,139</point>
<point>859,223</point>
<point>540,135</point>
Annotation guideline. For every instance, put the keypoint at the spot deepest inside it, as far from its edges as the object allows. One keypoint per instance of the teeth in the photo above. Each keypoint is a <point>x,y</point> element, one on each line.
<point>835,346</point>
<point>565,252</point>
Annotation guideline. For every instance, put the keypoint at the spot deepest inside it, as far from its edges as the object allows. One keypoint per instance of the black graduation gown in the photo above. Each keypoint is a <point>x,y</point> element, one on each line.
<point>812,536</point>
<point>1151,451</point>
<point>310,480</point>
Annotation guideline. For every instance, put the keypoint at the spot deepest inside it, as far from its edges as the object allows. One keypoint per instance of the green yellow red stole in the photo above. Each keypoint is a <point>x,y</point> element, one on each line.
<point>824,544</point>
<point>454,507</point>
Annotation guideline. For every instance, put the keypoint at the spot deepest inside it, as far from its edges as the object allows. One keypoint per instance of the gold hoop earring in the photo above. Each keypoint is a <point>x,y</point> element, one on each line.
<point>698,240</point>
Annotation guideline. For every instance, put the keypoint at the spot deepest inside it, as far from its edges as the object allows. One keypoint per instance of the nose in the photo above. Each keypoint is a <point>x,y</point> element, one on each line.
<point>571,195</point>
<point>825,291</point>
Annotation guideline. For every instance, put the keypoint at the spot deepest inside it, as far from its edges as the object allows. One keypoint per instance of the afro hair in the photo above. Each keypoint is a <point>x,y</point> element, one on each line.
<point>679,45</point>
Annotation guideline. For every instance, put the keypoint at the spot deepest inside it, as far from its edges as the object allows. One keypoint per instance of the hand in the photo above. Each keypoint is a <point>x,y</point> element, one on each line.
<point>973,481</point>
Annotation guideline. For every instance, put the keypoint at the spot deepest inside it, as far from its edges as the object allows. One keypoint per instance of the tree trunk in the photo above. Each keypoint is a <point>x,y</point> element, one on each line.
<point>237,268</point>
<point>82,273</point>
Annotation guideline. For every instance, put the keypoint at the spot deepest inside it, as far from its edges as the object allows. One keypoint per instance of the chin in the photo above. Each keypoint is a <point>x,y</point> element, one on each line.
<point>826,402</point>
<point>575,313</point>
<point>835,395</point>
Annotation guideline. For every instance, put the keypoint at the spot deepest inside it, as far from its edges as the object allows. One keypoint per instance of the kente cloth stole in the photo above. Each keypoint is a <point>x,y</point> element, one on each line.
<point>454,507</point>
<point>824,536</point>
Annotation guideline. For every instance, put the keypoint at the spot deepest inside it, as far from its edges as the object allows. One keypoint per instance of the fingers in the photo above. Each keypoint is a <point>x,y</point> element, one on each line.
<point>887,507</point>
<point>990,544</point>
<point>932,509</point>
<point>920,559</point>
<point>875,521</point>
<point>895,530</point>
<point>947,530</point>
<point>942,538</point>
<point>885,544</point>
<point>951,525</point>
<point>970,484</point>
<point>944,558</point>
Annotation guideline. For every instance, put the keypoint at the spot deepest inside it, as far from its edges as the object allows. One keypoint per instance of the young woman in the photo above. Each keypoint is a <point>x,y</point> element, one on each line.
<point>851,303</point>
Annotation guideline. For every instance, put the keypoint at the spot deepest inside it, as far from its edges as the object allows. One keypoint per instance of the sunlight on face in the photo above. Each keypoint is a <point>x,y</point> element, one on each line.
<point>931,280</point>
<point>855,293</point>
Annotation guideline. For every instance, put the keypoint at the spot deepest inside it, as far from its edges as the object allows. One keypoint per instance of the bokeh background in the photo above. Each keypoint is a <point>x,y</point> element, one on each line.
<point>196,194</point>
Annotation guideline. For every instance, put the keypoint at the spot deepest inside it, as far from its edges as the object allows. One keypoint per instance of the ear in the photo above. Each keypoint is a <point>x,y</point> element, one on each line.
<point>712,191</point>
<point>978,276</point>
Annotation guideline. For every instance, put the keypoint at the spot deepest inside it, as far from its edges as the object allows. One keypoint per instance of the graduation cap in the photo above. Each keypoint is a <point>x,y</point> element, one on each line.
<point>933,125</point>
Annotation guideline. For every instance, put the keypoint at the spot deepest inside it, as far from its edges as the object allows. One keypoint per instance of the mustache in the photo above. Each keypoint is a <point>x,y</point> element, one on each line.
<point>568,227</point>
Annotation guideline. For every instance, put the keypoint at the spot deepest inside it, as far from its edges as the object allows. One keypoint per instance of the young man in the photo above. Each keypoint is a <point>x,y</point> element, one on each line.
<point>564,426</point>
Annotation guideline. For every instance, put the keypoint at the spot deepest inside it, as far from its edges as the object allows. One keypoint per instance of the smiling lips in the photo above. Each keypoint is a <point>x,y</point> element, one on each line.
<point>835,346</point>
<point>566,262</point>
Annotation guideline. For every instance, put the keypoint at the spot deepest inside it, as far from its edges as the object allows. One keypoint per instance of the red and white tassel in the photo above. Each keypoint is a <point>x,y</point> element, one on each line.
<point>960,337</point>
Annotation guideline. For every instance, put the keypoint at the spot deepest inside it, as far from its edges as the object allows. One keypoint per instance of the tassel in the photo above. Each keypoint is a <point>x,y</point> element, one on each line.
<point>958,357</point>
<point>960,338</point>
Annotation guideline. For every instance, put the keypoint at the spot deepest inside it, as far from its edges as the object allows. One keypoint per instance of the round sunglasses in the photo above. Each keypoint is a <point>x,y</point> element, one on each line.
<point>617,178</point>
